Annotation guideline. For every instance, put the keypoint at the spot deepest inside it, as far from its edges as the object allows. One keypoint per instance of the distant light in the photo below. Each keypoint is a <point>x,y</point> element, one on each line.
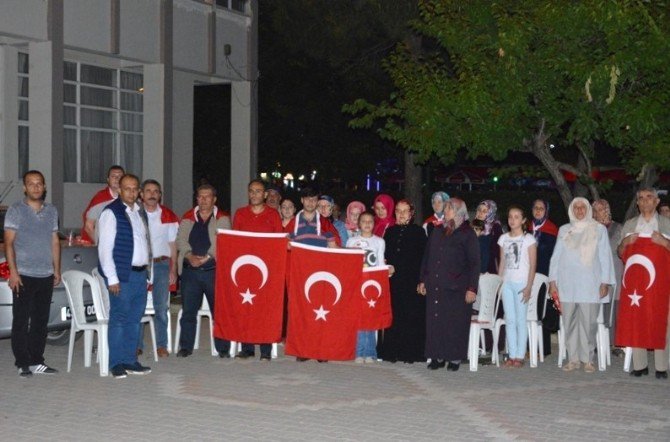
<point>495,179</point>
<point>551,146</point>
<point>264,175</point>
<point>378,186</point>
<point>301,177</point>
<point>288,176</point>
<point>367,183</point>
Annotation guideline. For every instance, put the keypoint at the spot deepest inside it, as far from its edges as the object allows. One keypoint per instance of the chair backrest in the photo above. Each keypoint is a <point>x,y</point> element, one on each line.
<point>539,281</point>
<point>74,281</point>
<point>205,305</point>
<point>102,302</point>
<point>489,285</point>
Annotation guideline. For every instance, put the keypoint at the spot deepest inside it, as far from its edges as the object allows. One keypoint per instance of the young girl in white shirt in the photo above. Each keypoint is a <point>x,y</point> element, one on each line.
<point>374,246</point>
<point>518,258</point>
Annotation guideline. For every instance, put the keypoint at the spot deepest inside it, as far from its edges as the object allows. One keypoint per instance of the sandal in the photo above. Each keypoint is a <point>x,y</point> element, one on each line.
<point>509,363</point>
<point>518,363</point>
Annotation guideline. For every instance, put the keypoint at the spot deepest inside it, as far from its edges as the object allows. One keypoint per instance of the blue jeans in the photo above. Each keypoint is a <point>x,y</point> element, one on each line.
<point>515,319</point>
<point>125,312</point>
<point>161,297</point>
<point>366,345</point>
<point>195,283</point>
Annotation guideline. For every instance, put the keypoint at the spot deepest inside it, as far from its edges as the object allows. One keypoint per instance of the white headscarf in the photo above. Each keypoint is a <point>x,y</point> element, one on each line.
<point>582,234</point>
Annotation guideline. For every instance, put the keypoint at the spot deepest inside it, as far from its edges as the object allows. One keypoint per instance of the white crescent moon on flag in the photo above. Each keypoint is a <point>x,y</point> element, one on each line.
<point>249,260</point>
<point>327,277</point>
<point>374,284</point>
<point>644,262</point>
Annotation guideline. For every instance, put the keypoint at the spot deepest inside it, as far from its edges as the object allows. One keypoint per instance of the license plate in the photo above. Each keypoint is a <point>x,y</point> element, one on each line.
<point>66,314</point>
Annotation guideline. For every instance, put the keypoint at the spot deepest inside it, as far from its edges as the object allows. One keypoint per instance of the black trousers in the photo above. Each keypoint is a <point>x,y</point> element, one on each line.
<point>30,310</point>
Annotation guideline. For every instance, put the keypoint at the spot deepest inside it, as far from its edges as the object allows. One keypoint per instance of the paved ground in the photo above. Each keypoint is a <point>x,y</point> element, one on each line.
<point>207,398</point>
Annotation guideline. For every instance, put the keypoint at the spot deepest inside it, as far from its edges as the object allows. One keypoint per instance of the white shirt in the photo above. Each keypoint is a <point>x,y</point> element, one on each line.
<point>161,234</point>
<point>374,247</point>
<point>517,259</point>
<point>107,229</point>
<point>647,227</point>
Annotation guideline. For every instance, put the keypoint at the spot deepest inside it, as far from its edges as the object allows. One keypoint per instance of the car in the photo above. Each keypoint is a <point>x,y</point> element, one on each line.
<point>73,257</point>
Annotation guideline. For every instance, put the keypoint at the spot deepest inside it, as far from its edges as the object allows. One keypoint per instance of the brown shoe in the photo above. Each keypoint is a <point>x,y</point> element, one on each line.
<point>571,366</point>
<point>139,352</point>
<point>589,367</point>
<point>162,352</point>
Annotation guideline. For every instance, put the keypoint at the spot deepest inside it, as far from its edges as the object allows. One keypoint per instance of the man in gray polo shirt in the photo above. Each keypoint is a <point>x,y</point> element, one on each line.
<point>32,250</point>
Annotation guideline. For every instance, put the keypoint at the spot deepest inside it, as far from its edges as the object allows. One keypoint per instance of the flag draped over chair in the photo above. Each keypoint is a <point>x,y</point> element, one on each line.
<point>250,278</point>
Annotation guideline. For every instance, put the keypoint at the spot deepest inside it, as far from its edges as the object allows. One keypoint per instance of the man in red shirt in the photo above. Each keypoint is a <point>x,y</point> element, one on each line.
<point>99,201</point>
<point>260,218</point>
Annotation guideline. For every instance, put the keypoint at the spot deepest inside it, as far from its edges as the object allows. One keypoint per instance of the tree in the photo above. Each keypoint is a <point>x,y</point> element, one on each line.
<point>550,77</point>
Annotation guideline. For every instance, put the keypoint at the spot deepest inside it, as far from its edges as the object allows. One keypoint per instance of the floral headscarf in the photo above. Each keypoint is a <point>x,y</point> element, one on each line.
<point>444,196</point>
<point>608,212</point>
<point>351,225</point>
<point>491,213</point>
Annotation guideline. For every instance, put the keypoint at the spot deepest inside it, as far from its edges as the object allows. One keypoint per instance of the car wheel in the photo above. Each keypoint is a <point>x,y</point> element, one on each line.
<point>60,337</point>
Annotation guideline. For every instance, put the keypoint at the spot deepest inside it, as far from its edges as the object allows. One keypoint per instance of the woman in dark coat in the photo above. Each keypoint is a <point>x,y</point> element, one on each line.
<point>405,243</point>
<point>489,250</point>
<point>449,279</point>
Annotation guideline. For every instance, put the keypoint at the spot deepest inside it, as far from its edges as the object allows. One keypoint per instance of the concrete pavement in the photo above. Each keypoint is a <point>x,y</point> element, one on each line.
<point>206,398</point>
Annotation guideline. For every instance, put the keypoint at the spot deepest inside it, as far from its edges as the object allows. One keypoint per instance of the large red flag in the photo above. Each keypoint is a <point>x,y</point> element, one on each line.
<point>375,299</point>
<point>323,305</point>
<point>643,304</point>
<point>250,275</point>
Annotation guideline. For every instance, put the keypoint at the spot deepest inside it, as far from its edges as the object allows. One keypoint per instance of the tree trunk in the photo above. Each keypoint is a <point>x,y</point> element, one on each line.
<point>413,185</point>
<point>648,178</point>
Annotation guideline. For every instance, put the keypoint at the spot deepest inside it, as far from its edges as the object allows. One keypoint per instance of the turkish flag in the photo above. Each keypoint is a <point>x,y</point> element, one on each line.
<point>643,304</point>
<point>375,299</point>
<point>323,305</point>
<point>250,274</point>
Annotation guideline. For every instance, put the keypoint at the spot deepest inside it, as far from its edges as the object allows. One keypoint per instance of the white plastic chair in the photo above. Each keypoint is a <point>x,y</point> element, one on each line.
<point>147,318</point>
<point>534,324</point>
<point>74,281</point>
<point>489,285</point>
<point>236,347</point>
<point>535,342</point>
<point>203,312</point>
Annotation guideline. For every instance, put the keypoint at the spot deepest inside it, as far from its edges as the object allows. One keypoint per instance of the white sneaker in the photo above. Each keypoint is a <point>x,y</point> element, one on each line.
<point>359,360</point>
<point>369,360</point>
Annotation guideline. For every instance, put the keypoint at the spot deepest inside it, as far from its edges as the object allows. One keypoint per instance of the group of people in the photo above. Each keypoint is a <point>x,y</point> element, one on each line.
<point>434,267</point>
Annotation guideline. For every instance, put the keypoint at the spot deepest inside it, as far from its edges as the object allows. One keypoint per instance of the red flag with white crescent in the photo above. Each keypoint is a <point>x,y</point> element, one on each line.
<point>645,292</point>
<point>323,305</point>
<point>250,275</point>
<point>375,299</point>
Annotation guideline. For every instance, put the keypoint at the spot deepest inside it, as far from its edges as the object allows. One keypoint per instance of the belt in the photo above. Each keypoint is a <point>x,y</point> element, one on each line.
<point>138,268</point>
<point>161,259</point>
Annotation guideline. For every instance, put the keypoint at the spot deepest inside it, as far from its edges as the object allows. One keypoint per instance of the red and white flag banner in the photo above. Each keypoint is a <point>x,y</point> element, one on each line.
<point>250,276</point>
<point>323,305</point>
<point>375,299</point>
<point>645,291</point>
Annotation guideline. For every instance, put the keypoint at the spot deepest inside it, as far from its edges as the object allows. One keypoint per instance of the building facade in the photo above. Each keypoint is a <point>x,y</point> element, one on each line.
<point>85,84</point>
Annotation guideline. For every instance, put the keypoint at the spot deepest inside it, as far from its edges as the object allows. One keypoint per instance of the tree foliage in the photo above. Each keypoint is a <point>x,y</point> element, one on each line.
<point>523,76</point>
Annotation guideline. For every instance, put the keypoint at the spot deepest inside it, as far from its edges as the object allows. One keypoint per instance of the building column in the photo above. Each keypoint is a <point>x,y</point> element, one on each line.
<point>154,123</point>
<point>182,146</point>
<point>9,149</point>
<point>243,142</point>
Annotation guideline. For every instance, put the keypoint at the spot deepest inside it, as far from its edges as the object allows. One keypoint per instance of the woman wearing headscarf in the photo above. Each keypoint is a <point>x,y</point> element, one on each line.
<point>405,243</point>
<point>354,210</point>
<point>580,273</point>
<point>545,232</point>
<point>603,214</point>
<point>437,201</point>
<point>489,250</point>
<point>449,279</point>
<point>383,207</point>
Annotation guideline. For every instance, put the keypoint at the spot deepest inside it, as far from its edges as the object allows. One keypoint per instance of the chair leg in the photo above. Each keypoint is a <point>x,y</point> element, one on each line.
<point>482,342</point>
<point>561,343</point>
<point>628,358</point>
<point>494,352</point>
<point>211,337</point>
<point>177,333</point>
<point>196,344</point>
<point>169,330</point>
<point>473,347</point>
<point>152,327</point>
<point>540,341</point>
<point>88,347</point>
<point>103,350</point>
<point>274,350</point>
<point>532,343</point>
<point>70,350</point>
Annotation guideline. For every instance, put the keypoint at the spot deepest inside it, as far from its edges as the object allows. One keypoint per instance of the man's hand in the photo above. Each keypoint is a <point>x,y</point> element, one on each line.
<point>56,279</point>
<point>630,239</point>
<point>421,289</point>
<point>173,276</point>
<point>194,260</point>
<point>470,297</point>
<point>114,289</point>
<point>14,282</point>
<point>658,238</point>
<point>391,270</point>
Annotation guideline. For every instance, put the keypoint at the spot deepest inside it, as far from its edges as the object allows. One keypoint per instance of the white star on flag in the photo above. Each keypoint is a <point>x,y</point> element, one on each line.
<point>247,297</point>
<point>321,313</point>
<point>635,299</point>
<point>372,303</point>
